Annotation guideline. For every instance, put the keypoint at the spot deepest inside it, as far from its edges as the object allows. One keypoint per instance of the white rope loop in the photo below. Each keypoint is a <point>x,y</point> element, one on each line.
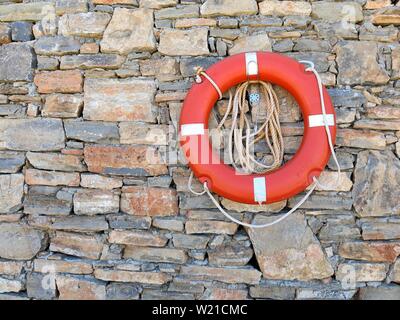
<point>315,183</point>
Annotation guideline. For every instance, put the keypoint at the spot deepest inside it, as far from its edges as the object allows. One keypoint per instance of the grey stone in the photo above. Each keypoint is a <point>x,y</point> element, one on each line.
<point>376,180</point>
<point>71,6</point>
<point>320,59</point>
<point>40,286</point>
<point>260,21</point>
<point>47,63</point>
<point>81,224</point>
<point>347,98</point>
<point>129,222</point>
<point>123,291</point>
<point>92,131</point>
<point>17,61</point>
<point>338,231</point>
<point>12,110</point>
<point>11,192</point>
<point>275,293</point>
<point>187,201</point>
<point>46,205</point>
<point>317,201</point>
<point>90,61</point>
<point>190,241</point>
<point>312,45</point>
<point>283,46</point>
<point>19,242</point>
<point>380,293</point>
<point>324,294</point>
<point>229,255</point>
<point>11,162</point>
<point>191,11</point>
<point>21,31</point>
<point>152,294</point>
<point>187,65</point>
<point>31,11</point>
<point>32,134</point>
<point>328,30</point>
<point>298,255</point>
<point>56,46</point>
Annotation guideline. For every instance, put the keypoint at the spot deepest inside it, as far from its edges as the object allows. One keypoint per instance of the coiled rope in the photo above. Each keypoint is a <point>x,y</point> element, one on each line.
<point>270,128</point>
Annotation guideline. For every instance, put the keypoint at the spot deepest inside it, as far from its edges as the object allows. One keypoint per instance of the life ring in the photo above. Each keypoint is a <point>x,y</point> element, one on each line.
<point>296,174</point>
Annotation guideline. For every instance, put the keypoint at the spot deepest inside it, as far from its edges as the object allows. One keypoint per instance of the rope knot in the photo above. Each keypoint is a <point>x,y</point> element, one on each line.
<point>199,71</point>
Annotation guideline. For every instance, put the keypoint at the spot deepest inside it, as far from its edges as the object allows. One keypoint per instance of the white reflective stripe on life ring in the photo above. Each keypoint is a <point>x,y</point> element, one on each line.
<point>260,189</point>
<point>192,129</point>
<point>317,120</point>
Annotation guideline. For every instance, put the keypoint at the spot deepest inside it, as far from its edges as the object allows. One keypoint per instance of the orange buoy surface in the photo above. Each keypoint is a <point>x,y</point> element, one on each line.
<point>296,174</point>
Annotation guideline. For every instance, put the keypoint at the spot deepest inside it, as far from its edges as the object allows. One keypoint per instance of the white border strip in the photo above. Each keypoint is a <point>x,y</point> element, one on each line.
<point>317,120</point>
<point>260,189</point>
<point>192,129</point>
<point>251,64</point>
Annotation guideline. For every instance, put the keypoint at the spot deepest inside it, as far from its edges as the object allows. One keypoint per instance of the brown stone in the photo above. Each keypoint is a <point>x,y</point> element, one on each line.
<point>396,63</point>
<point>132,276</point>
<point>90,24</point>
<point>258,42</point>
<point>334,11</point>
<point>387,16</point>
<point>141,133</point>
<point>218,227</point>
<point>89,201</point>
<point>228,275</point>
<point>195,22</point>
<point>59,81</point>
<point>11,192</point>
<point>365,139</point>
<point>376,180</point>
<point>95,181</point>
<point>393,125</point>
<point>11,268</point>
<point>51,178</point>
<point>299,256</point>
<point>184,42</point>
<point>137,238</point>
<point>376,4</point>
<point>383,112</point>
<point>63,106</point>
<point>5,33</point>
<point>62,266</point>
<point>129,30</point>
<point>55,161</point>
<point>224,294</point>
<point>355,67</point>
<point>284,8</point>
<point>212,8</point>
<point>77,244</point>
<point>165,69</point>
<point>370,251</point>
<point>119,100</point>
<point>167,255</point>
<point>124,160</point>
<point>241,207</point>
<point>143,201</point>
<point>74,288</point>
<point>362,271</point>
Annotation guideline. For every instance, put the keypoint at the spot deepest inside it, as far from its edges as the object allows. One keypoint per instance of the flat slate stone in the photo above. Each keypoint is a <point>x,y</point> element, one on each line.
<point>17,61</point>
<point>11,162</point>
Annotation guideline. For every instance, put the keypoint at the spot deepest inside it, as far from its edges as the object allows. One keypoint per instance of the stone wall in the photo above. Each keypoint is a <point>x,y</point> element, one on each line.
<point>88,89</point>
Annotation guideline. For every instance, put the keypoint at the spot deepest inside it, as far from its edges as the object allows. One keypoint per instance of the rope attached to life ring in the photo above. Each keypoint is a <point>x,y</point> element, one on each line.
<point>271,126</point>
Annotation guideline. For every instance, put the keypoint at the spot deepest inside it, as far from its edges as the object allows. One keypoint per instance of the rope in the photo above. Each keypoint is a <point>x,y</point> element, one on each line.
<point>275,122</point>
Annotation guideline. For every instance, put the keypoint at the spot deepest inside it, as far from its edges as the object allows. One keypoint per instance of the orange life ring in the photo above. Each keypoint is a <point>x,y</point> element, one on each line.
<point>296,174</point>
